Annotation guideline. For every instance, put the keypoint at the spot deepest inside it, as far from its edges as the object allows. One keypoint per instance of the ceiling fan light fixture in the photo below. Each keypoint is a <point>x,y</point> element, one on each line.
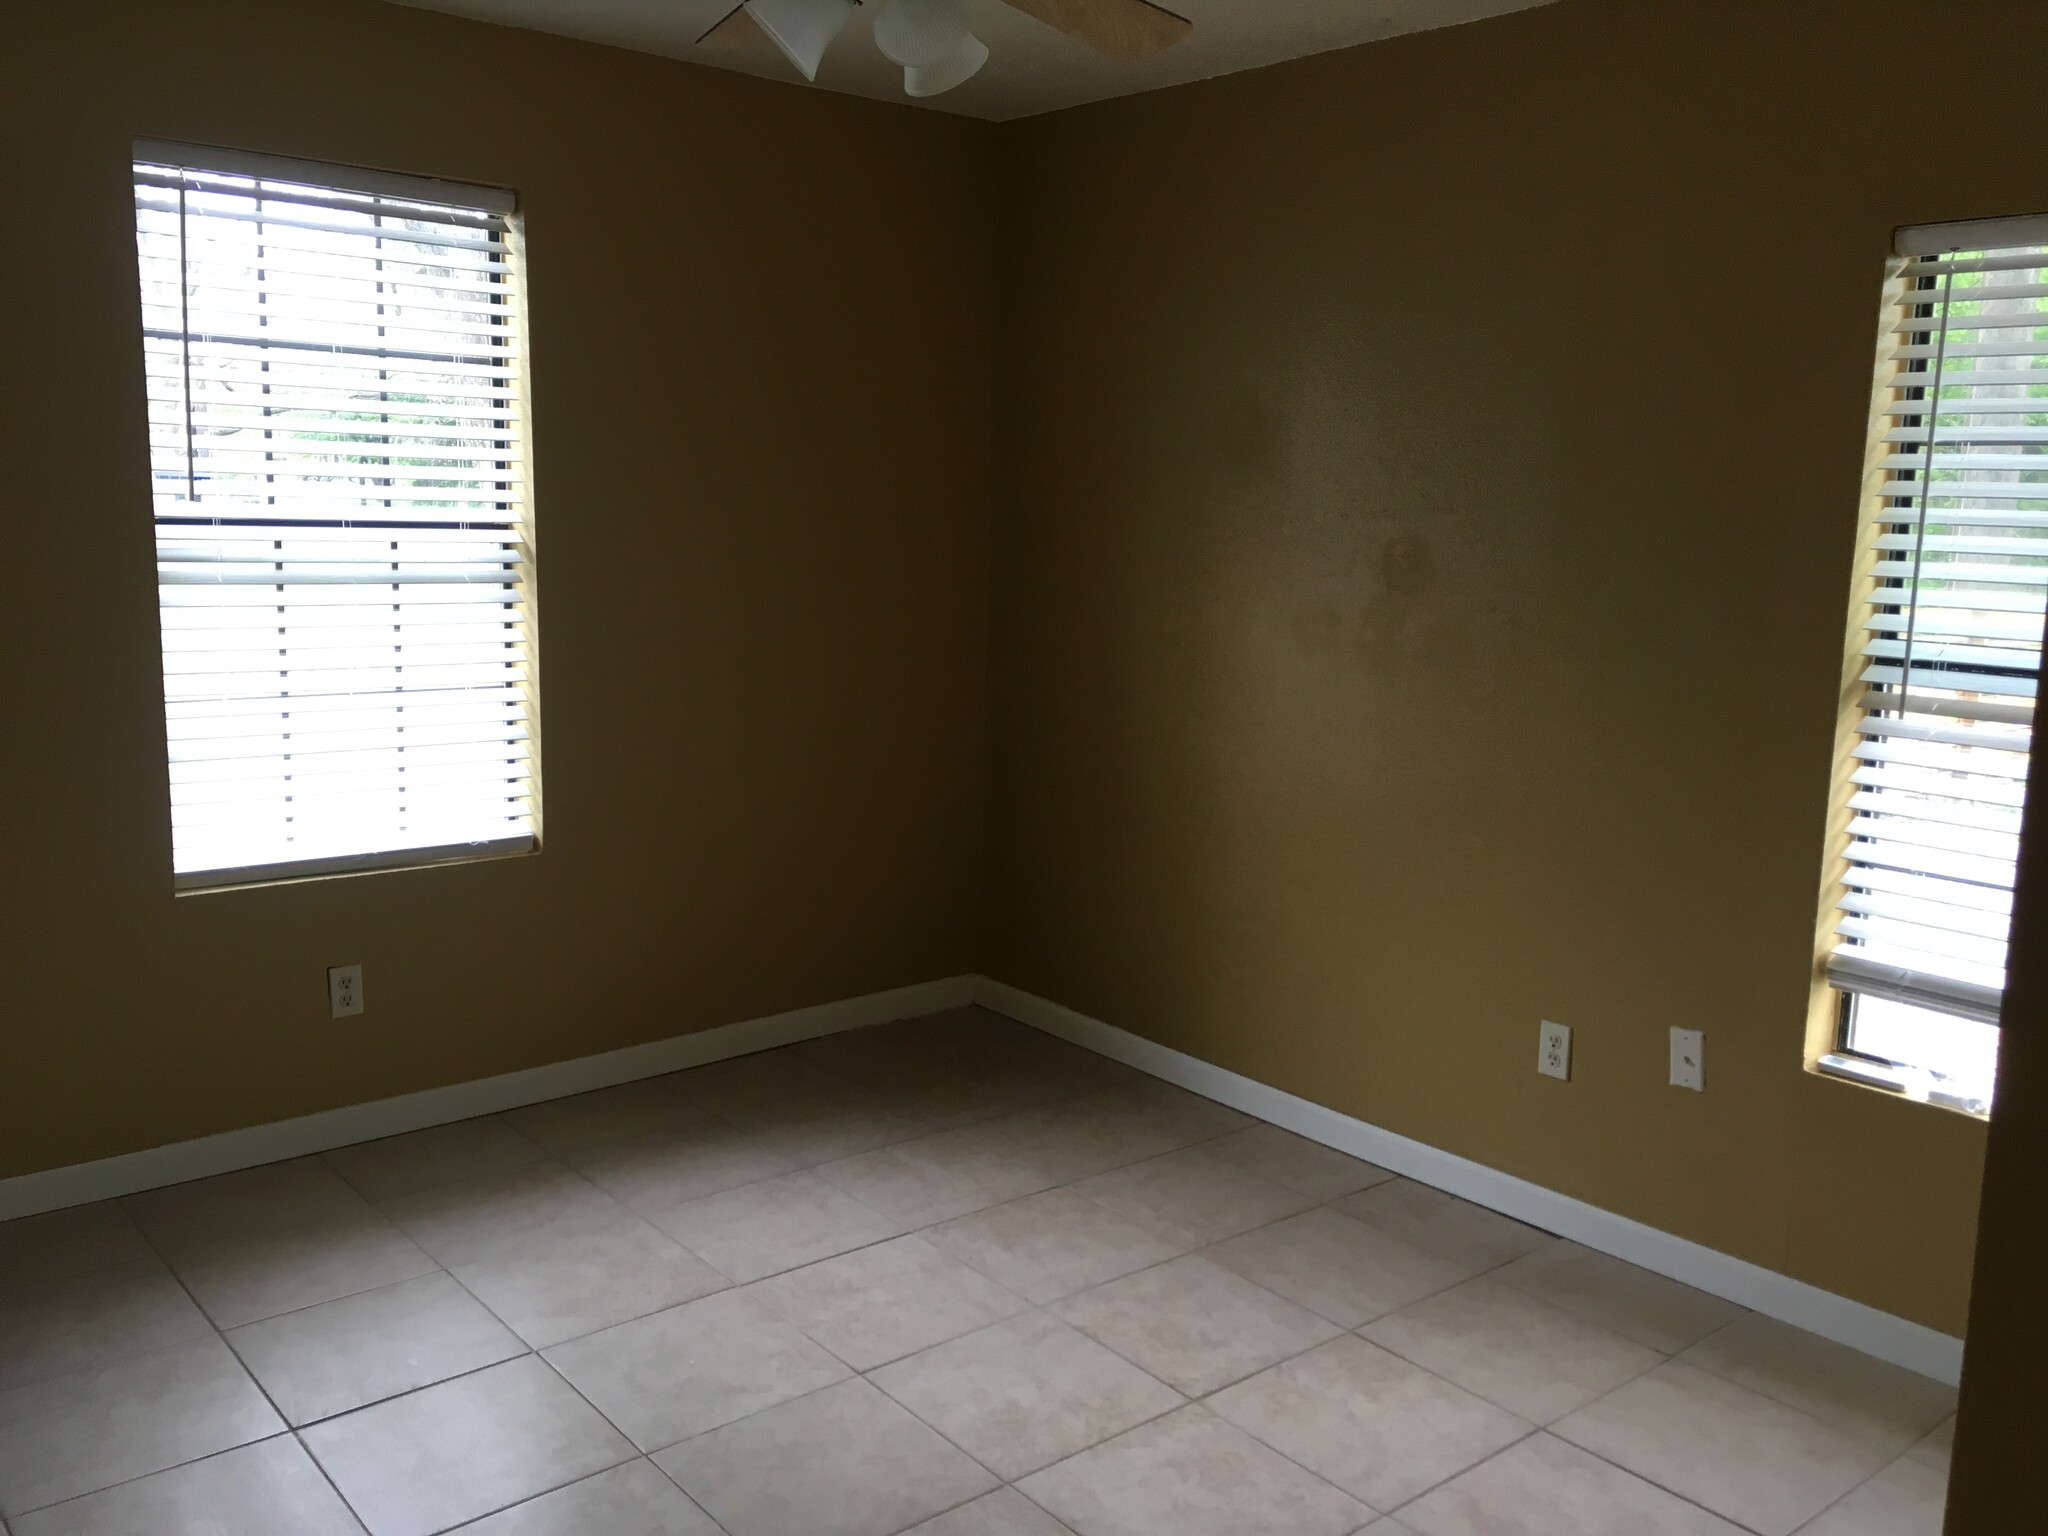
<point>920,34</point>
<point>933,79</point>
<point>802,29</point>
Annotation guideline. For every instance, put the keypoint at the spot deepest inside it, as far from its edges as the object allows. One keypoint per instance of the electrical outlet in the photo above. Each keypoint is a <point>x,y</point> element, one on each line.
<point>344,990</point>
<point>1688,1060</point>
<point>1554,1050</point>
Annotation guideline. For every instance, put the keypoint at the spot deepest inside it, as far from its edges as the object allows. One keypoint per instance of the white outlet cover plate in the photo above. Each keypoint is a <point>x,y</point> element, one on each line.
<point>1688,1059</point>
<point>344,990</point>
<point>1554,1050</point>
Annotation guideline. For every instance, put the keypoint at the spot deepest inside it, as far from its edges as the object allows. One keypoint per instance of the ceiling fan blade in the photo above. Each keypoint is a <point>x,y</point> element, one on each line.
<point>802,29</point>
<point>1123,29</point>
<point>736,29</point>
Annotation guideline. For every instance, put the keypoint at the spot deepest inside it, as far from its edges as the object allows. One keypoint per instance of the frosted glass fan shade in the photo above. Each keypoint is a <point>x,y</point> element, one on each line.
<point>802,29</point>
<point>943,76</point>
<point>920,34</point>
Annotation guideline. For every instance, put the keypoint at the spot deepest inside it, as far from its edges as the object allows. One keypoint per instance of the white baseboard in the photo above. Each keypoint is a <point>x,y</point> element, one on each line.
<point>1904,1343</point>
<point>81,1183</point>
<point>1750,1285</point>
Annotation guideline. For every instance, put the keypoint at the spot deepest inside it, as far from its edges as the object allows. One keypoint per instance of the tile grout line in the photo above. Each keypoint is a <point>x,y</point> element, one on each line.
<point>327,1477</point>
<point>295,1431</point>
<point>923,1231</point>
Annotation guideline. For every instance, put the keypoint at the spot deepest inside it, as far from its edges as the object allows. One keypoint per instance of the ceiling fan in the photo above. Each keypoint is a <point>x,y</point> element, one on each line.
<point>930,38</point>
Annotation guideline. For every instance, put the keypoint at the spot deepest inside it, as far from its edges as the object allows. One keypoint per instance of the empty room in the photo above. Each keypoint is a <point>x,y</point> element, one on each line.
<point>1023,768</point>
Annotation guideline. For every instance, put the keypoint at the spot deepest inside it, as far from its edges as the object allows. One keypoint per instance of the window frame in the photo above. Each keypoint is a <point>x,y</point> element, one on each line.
<point>1834,1019</point>
<point>500,207</point>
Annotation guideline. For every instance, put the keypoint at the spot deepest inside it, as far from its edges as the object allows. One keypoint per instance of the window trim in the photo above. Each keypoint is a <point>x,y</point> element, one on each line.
<point>318,173</point>
<point>497,208</point>
<point>1830,1050</point>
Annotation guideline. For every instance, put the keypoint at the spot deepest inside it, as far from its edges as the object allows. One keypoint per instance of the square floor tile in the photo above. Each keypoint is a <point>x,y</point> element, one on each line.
<point>695,1367</point>
<point>428,1159</point>
<point>1006,1512</point>
<point>655,1171</point>
<point>1935,1449</point>
<point>503,1215</point>
<point>1905,1499</point>
<point>1621,1297</point>
<point>244,1281</point>
<point>635,1499</point>
<point>827,1121</point>
<point>78,1241</point>
<point>1023,1393</point>
<point>1193,1324</point>
<point>608,1270</point>
<point>993,1044</point>
<point>780,1223</point>
<point>465,1448</point>
<point>879,1304</point>
<point>878,1053</point>
<point>1527,1356</point>
<point>325,1360</point>
<point>89,1430</point>
<point>1304,1166</point>
<point>51,1326</point>
<point>1370,1422</point>
<point>585,1120</point>
<point>1072,1138</point>
<point>745,1085</point>
<point>1739,1453</point>
<point>1544,1487</point>
<point>1191,1474</point>
<point>1187,1117</point>
<point>960,1093</point>
<point>1343,1269</point>
<point>1890,1407</point>
<point>937,1177</point>
<point>1191,1198</point>
<point>845,1461</point>
<point>1047,1246</point>
<point>270,1488</point>
<point>250,1245</point>
<point>1443,1224</point>
<point>272,1197</point>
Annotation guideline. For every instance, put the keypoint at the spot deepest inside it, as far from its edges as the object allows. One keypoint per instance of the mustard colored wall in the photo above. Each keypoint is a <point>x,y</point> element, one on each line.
<point>760,341</point>
<point>1424,499</point>
<point>1428,481</point>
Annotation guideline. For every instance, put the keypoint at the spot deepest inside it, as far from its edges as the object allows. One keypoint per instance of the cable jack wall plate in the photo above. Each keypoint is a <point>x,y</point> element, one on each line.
<point>1688,1060</point>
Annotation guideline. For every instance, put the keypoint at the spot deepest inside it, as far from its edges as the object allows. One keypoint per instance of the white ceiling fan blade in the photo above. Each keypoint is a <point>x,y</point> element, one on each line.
<point>735,29</point>
<point>802,29</point>
<point>1123,29</point>
<point>933,79</point>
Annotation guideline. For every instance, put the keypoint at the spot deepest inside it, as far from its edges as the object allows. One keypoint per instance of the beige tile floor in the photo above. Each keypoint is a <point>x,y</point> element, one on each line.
<point>949,1277</point>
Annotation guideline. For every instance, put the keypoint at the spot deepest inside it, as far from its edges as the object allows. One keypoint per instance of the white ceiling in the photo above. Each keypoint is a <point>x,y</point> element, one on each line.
<point>1031,68</point>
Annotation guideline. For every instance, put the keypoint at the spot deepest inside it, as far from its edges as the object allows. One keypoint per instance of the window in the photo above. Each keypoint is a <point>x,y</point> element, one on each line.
<point>338,452</point>
<point>1946,659</point>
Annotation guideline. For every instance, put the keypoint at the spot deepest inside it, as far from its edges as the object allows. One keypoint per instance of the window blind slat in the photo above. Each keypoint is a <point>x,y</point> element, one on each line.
<point>1974,762</point>
<point>1975,788</point>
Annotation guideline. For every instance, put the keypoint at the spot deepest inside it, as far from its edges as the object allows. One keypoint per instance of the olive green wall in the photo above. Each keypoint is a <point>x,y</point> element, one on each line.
<point>762,492</point>
<point>1428,481</point>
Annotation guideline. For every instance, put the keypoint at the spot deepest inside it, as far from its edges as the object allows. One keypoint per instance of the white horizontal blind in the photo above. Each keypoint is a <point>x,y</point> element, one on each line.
<point>344,566</point>
<point>1951,653</point>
